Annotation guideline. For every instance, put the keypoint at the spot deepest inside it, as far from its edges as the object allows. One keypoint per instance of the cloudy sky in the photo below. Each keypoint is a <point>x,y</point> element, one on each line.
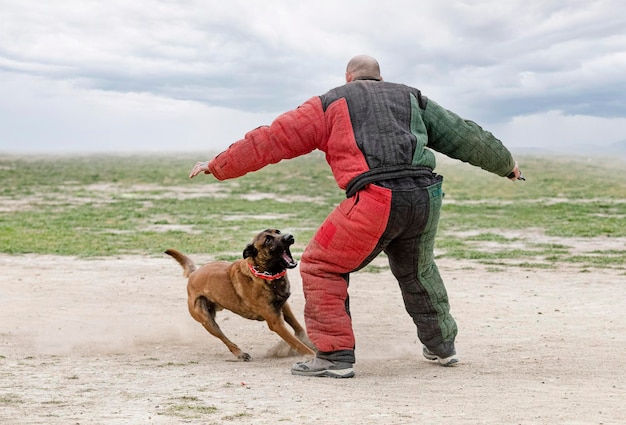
<point>195,75</point>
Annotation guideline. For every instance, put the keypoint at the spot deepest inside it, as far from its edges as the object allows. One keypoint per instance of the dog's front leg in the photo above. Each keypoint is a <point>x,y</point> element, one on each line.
<point>277,325</point>
<point>291,320</point>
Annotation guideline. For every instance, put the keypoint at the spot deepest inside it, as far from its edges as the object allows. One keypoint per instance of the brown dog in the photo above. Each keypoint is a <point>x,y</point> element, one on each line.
<point>255,287</point>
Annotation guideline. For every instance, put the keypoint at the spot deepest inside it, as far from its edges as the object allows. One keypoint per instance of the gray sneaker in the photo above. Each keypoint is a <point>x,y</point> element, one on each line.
<point>323,367</point>
<point>443,361</point>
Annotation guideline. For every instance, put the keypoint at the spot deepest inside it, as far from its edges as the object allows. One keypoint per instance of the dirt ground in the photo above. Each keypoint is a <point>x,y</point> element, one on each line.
<point>110,341</point>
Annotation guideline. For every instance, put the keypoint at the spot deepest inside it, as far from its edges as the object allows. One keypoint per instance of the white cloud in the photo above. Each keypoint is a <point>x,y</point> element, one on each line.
<point>558,132</point>
<point>58,117</point>
<point>492,61</point>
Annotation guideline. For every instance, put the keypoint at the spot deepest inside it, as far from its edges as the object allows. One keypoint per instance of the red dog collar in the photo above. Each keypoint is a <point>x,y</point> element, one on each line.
<point>266,275</point>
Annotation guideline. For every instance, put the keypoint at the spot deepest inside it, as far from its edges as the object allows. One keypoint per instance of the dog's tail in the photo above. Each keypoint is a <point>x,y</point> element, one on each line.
<point>188,265</point>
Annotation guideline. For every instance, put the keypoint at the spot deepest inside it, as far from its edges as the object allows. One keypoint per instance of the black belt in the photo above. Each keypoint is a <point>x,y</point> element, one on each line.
<point>385,173</point>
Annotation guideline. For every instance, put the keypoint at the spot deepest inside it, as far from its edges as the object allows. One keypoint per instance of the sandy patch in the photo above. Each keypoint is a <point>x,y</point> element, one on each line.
<point>109,341</point>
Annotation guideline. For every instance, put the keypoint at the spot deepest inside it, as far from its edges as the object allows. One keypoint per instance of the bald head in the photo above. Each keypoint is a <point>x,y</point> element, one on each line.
<point>363,67</point>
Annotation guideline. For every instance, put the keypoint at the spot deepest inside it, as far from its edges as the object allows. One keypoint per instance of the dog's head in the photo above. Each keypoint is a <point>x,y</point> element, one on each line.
<point>270,251</point>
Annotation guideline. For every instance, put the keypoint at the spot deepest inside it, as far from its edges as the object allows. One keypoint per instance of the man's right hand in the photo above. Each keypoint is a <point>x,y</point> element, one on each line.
<point>200,167</point>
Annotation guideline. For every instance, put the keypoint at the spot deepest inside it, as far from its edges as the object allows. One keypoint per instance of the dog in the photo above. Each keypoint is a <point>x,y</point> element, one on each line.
<point>255,287</point>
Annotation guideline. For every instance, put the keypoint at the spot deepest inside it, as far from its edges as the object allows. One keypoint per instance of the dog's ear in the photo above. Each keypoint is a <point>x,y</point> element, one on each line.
<point>250,251</point>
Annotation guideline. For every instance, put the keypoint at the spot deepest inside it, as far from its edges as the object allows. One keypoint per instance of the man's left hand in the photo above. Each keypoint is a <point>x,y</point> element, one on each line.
<point>516,174</point>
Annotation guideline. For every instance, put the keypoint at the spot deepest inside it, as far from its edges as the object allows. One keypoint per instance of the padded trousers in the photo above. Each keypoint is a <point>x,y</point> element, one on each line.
<point>403,224</point>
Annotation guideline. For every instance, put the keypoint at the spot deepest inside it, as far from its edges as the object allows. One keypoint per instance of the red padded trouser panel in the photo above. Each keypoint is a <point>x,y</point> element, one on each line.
<point>345,239</point>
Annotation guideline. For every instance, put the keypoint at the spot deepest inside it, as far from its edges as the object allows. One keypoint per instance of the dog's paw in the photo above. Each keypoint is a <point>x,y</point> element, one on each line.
<point>280,350</point>
<point>305,339</point>
<point>245,357</point>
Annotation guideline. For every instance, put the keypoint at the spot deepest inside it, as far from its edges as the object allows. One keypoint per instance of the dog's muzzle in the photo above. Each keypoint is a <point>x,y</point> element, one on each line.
<point>288,240</point>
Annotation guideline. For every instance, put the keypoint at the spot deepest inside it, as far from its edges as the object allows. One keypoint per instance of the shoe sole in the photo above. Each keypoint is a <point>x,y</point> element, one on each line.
<point>447,362</point>
<point>325,373</point>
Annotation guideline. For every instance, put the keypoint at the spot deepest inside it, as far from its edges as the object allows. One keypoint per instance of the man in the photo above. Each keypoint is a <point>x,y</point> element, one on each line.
<point>377,137</point>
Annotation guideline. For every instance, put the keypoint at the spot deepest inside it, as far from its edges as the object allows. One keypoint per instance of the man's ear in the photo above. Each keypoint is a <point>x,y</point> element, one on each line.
<point>250,251</point>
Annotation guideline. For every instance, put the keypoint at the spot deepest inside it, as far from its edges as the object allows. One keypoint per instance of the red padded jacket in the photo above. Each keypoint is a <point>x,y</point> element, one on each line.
<point>366,127</point>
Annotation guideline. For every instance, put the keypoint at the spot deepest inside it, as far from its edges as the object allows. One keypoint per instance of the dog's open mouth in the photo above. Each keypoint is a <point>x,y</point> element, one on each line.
<point>290,263</point>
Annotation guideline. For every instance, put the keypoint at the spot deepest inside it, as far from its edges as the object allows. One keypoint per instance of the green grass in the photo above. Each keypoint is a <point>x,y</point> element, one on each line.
<point>565,219</point>
<point>10,399</point>
<point>114,205</point>
<point>92,206</point>
<point>190,411</point>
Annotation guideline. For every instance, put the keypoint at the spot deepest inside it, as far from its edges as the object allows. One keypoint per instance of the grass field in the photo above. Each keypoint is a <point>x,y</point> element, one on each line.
<point>117,205</point>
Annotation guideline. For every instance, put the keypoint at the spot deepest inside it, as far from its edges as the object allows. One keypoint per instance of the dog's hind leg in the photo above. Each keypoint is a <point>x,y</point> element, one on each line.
<point>204,312</point>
